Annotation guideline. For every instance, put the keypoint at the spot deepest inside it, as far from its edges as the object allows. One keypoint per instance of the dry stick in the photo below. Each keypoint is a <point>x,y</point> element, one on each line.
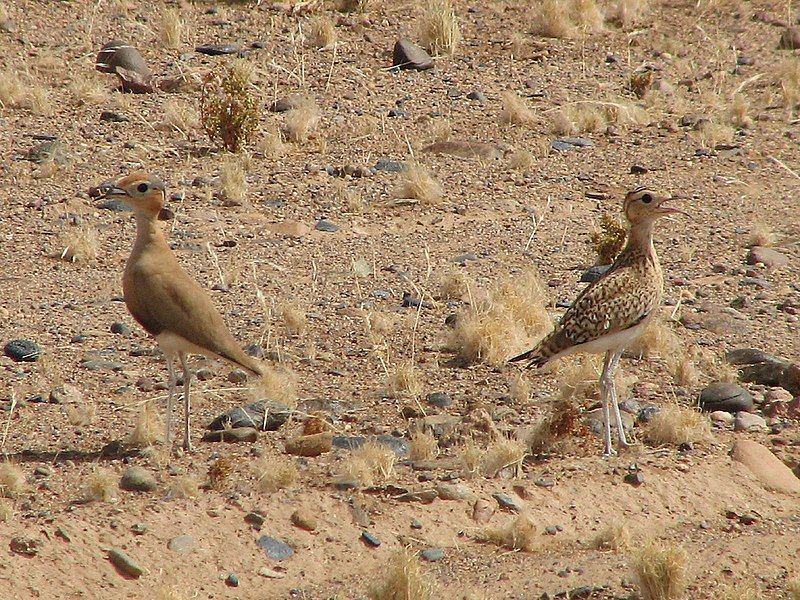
<point>8,422</point>
<point>780,163</point>
<point>333,62</point>
<point>533,232</point>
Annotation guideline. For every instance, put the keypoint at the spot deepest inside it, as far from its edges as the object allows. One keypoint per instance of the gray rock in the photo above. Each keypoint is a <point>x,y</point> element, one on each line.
<point>22,350</point>
<point>571,143</point>
<point>390,166</point>
<point>453,491</point>
<point>477,96</point>
<point>747,356</point>
<point>124,563</point>
<point>769,257</point>
<point>137,479</point>
<point>120,328</point>
<point>725,396</point>
<point>287,103</point>
<point>509,503</point>
<point>370,539</point>
<point>232,580</point>
<point>463,259</point>
<point>237,376</point>
<point>119,54</point>
<point>398,445</point>
<point>326,226</point>
<point>646,414</point>
<point>232,436</point>
<point>256,519</point>
<point>722,417</point>
<point>432,554</point>
<point>183,544</point>
<point>274,548</point>
<point>265,415</point>
<point>746,421</point>
<point>439,399</point>
<point>217,49</point>
<point>408,55</point>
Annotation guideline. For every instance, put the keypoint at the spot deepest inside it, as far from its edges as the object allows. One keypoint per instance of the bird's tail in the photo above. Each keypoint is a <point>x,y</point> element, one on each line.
<point>534,358</point>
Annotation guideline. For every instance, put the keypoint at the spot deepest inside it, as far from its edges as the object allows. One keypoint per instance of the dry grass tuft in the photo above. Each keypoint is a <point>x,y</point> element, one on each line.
<point>678,425</point>
<point>794,588</point>
<point>270,144</point>
<point>275,384</point>
<point>233,179</point>
<point>12,480</point>
<point>510,318</point>
<point>438,26</point>
<point>454,285</point>
<point>522,160</point>
<point>321,31</point>
<point>505,453</point>
<point>184,486</point>
<point>81,413</point>
<point>416,183</point>
<point>595,116</point>
<point>761,234</point>
<point>518,533</point>
<point>89,90</point>
<point>562,18</point>
<point>661,340</point>
<point>6,511</point>
<point>423,446</point>
<point>294,319</point>
<point>220,471</point>
<point>738,112</point>
<point>171,29</point>
<point>370,463</point>
<point>180,117</point>
<point>788,73</point>
<point>515,110</point>
<point>519,389</point>
<point>229,110</point>
<point>275,473</point>
<point>352,5</point>
<point>379,326</point>
<point>79,244</point>
<point>148,429</point>
<point>301,122</point>
<point>402,579</point>
<point>471,458</point>
<point>609,241</point>
<point>661,572</point>
<point>625,13</point>
<point>614,536</point>
<point>13,92</point>
<point>735,593</point>
<point>563,422</point>
<point>403,380</point>
<point>100,486</point>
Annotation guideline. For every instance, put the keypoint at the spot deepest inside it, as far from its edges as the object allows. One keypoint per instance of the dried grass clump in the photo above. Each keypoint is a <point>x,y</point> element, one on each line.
<point>352,5</point>
<point>12,480</point>
<point>79,244</point>
<point>220,471</point>
<point>660,340</point>
<point>417,184</point>
<point>89,90</point>
<point>454,285</point>
<point>788,73</point>
<point>171,29</point>
<point>661,572</point>
<point>183,486</point>
<point>148,429</point>
<point>404,380</point>
<point>678,425</point>
<point>100,486</point>
<point>301,122</point>
<point>510,318</point>
<point>270,144</point>
<point>518,533</point>
<point>423,446</point>
<point>625,13</point>
<point>761,234</point>
<point>563,422</point>
<point>505,453</point>
<point>738,112</point>
<point>402,579</point>
<point>81,414</point>
<point>370,463</point>
<point>229,110</point>
<point>275,384</point>
<point>709,134</point>
<point>794,588</point>
<point>6,511</point>
<point>438,26</point>
<point>471,458</point>
<point>275,473</point>
<point>522,160</point>
<point>609,241</point>
<point>180,117</point>
<point>38,101</point>
<point>519,389</point>
<point>595,116</point>
<point>615,536</point>
<point>735,593</point>
<point>562,18</point>
<point>379,326</point>
<point>321,31</point>
<point>515,111</point>
<point>294,319</point>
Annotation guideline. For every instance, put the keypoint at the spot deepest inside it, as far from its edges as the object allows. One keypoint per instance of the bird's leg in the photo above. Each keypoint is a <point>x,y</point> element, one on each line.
<point>623,441</point>
<point>173,380</point>
<point>187,383</point>
<point>606,385</point>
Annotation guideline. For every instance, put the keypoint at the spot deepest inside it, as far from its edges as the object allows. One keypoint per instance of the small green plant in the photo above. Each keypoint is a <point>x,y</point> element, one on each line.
<point>609,241</point>
<point>229,111</point>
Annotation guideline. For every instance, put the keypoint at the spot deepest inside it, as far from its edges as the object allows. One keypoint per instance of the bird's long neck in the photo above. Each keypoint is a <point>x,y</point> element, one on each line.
<point>148,233</point>
<point>640,241</point>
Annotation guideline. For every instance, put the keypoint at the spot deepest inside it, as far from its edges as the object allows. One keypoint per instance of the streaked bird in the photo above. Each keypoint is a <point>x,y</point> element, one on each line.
<point>614,310</point>
<point>165,300</point>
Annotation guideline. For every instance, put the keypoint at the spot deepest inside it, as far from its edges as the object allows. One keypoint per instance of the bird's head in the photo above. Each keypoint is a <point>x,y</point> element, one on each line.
<point>643,205</point>
<point>143,192</point>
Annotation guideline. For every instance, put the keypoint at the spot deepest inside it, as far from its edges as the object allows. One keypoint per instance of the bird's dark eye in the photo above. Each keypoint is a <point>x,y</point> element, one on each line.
<point>647,198</point>
<point>142,188</point>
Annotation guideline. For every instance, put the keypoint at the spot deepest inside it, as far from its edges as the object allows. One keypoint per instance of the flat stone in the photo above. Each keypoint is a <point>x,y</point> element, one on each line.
<point>422,496</point>
<point>264,415</point>
<point>274,548</point>
<point>397,445</point>
<point>93,364</point>
<point>769,257</point>
<point>326,226</point>
<point>255,518</point>
<point>452,491</point>
<point>137,479</point>
<point>304,519</point>
<point>124,563</point>
<point>182,544</point>
<point>509,503</point>
<point>747,356</point>
<point>22,350</point>
<point>766,467</point>
<point>370,539</point>
<point>293,229</point>
<point>408,55</point>
<point>432,554</point>
<point>746,421</point>
<point>725,396</point>
<point>390,166</point>
<point>119,54</point>
<point>217,49</point>
<point>439,399</point>
<point>310,445</point>
<point>234,435</point>
<point>270,573</point>
<point>721,416</point>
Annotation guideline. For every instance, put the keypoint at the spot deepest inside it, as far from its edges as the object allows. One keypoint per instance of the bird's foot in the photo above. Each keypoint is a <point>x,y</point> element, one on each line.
<point>609,451</point>
<point>187,445</point>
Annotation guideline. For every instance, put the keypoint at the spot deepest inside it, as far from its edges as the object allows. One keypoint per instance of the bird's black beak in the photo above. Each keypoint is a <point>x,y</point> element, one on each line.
<point>113,192</point>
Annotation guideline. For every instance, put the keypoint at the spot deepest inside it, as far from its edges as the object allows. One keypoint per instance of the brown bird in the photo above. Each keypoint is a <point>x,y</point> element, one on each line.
<point>165,300</point>
<point>614,310</point>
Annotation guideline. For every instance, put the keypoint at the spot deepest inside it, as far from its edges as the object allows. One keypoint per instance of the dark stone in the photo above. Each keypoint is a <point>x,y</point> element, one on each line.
<point>635,478</point>
<point>348,442</point>
<point>390,166</point>
<point>120,328</point>
<point>370,539</point>
<point>745,61</point>
<point>25,546</point>
<point>439,399</point>
<point>232,580</point>
<point>725,396</point>
<point>432,554</point>
<point>408,55</point>
<point>647,413</point>
<point>327,226</point>
<point>23,350</point>
<point>264,415</point>
<point>508,503</point>
<point>217,49</point>
<point>112,117</point>
<point>397,445</point>
<point>274,548</point>
<point>747,356</point>
<point>137,479</point>
<point>477,96</point>
<point>256,519</point>
<point>594,273</point>
<point>233,435</point>
<point>571,143</point>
